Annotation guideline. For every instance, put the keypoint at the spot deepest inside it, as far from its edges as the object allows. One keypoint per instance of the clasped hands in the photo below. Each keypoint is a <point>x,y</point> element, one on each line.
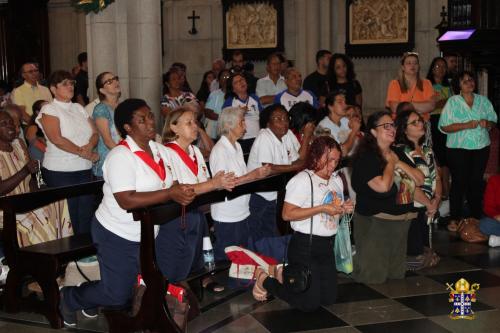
<point>338,206</point>
<point>87,153</point>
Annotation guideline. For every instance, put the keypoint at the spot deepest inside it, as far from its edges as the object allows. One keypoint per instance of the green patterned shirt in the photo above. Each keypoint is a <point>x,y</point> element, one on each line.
<point>456,110</point>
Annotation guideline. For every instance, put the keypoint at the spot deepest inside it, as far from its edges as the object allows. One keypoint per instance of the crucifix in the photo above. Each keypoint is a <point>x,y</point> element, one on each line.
<point>193,17</point>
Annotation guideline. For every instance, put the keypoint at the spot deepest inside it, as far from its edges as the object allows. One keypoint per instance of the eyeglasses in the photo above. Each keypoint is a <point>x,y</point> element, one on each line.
<point>67,83</point>
<point>416,122</point>
<point>109,81</point>
<point>31,71</point>
<point>386,126</point>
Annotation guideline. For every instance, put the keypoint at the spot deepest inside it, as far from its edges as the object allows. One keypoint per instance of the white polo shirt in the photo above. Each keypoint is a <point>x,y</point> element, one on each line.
<point>339,133</point>
<point>298,193</point>
<point>125,171</point>
<point>266,86</point>
<point>288,100</point>
<point>228,158</point>
<point>181,172</point>
<point>74,125</point>
<point>267,149</point>
<point>251,116</point>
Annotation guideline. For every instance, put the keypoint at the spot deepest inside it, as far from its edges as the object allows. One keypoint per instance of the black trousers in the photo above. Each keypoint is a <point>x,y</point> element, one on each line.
<point>418,234</point>
<point>467,169</point>
<point>323,289</point>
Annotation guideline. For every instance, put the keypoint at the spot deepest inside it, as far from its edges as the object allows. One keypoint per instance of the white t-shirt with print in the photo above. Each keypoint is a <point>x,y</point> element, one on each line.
<point>228,158</point>
<point>298,193</point>
<point>125,171</point>
<point>267,149</point>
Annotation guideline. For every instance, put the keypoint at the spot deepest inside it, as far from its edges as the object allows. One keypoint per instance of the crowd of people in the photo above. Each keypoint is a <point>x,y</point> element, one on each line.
<point>392,169</point>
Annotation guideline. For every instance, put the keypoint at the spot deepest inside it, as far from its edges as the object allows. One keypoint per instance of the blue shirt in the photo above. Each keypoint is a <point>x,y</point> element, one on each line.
<point>103,110</point>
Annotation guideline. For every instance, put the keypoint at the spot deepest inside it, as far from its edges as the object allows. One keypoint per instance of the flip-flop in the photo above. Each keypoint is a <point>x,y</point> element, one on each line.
<point>214,287</point>
<point>258,291</point>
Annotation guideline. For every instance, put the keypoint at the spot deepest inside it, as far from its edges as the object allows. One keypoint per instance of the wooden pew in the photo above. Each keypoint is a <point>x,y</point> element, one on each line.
<point>44,262</point>
<point>153,314</point>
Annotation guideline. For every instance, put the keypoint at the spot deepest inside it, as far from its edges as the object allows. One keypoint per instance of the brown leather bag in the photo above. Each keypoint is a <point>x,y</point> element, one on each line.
<point>469,231</point>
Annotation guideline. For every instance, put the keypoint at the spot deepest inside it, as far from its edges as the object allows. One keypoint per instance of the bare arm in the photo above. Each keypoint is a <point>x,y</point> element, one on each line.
<point>291,212</point>
<point>183,194</point>
<point>456,127</point>
<point>268,99</point>
<point>51,128</point>
<point>102,126</point>
<point>211,114</point>
<point>31,133</point>
<point>383,183</point>
<point>219,181</point>
<point>9,184</point>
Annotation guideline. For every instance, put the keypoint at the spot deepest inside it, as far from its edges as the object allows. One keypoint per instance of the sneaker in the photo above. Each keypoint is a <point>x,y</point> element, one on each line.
<point>4,271</point>
<point>494,241</point>
<point>69,317</point>
<point>90,313</point>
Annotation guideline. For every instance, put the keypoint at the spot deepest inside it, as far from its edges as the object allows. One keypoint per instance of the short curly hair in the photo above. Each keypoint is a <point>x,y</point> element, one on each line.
<point>125,112</point>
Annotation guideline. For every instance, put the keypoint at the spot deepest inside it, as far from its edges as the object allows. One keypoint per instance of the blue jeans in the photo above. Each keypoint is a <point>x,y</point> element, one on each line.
<point>262,220</point>
<point>489,226</point>
<point>118,264</point>
<point>81,208</point>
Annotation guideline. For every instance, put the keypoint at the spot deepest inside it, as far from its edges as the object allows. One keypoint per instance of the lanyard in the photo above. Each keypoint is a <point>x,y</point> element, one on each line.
<point>158,168</point>
<point>191,164</point>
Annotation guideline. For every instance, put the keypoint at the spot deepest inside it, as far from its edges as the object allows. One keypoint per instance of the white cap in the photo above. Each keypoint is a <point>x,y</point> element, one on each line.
<point>207,244</point>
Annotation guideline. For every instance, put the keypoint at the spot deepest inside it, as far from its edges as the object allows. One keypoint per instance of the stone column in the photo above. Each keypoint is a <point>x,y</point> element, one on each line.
<point>325,24</point>
<point>144,51</point>
<point>313,35</point>
<point>125,39</point>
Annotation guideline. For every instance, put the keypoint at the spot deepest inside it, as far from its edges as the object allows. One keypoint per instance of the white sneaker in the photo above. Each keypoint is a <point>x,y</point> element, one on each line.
<point>494,241</point>
<point>4,271</point>
<point>444,208</point>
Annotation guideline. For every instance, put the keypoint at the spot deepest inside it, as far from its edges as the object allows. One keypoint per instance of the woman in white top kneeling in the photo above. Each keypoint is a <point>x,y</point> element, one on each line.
<point>277,146</point>
<point>321,182</point>
<point>231,217</point>
<point>134,176</point>
<point>180,241</point>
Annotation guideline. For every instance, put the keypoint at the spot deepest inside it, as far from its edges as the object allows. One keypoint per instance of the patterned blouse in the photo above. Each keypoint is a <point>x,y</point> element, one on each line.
<point>456,110</point>
<point>426,164</point>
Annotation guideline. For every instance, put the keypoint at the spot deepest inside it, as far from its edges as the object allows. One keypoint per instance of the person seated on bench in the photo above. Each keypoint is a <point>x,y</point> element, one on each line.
<point>180,241</point>
<point>135,175</point>
<point>40,225</point>
<point>232,217</point>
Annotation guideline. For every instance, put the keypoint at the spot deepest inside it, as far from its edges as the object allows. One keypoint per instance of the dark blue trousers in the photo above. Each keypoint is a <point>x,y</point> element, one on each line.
<point>119,265</point>
<point>178,248</point>
<point>262,217</point>
<point>81,208</point>
<point>228,234</point>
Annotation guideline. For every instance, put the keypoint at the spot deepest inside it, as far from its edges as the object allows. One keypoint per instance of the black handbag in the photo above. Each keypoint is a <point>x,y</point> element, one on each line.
<point>296,276</point>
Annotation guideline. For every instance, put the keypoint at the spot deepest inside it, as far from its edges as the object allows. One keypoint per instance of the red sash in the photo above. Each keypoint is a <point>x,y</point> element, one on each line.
<point>159,167</point>
<point>192,165</point>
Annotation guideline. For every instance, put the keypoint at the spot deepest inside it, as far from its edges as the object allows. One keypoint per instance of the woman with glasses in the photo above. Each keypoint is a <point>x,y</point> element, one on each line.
<point>213,107</point>
<point>466,120</point>
<point>438,75</point>
<point>410,148</point>
<point>71,138</point>
<point>108,89</point>
<point>277,146</point>
<point>383,214</point>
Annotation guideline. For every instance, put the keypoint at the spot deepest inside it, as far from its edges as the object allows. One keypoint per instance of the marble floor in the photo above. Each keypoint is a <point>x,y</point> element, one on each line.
<point>417,304</point>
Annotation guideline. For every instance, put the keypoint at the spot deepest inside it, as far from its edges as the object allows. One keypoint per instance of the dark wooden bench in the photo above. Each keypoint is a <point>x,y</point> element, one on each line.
<point>43,262</point>
<point>153,314</point>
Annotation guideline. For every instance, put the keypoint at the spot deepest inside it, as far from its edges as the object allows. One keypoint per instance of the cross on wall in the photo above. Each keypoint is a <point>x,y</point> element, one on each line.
<point>193,17</point>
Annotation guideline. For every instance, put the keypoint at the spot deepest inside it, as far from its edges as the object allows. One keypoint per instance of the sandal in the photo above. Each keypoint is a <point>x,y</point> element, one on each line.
<point>453,226</point>
<point>276,271</point>
<point>214,287</point>
<point>258,291</point>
